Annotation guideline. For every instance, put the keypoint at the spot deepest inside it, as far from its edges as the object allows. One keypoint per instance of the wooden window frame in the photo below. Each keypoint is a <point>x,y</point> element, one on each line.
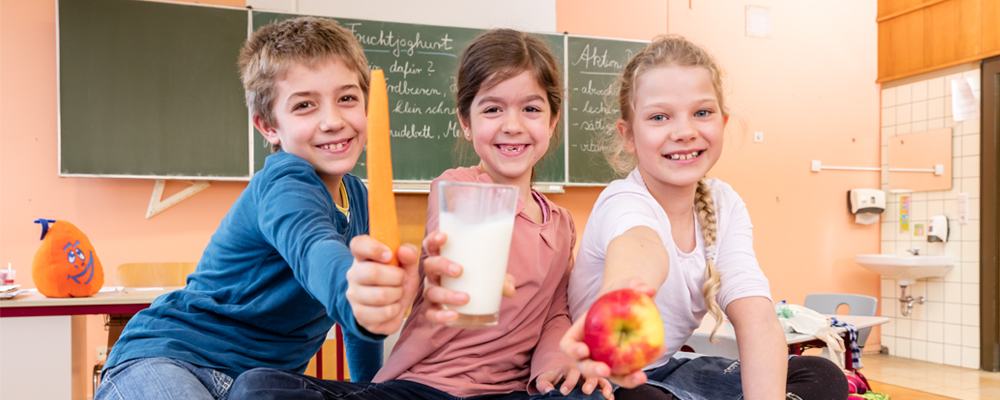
<point>989,233</point>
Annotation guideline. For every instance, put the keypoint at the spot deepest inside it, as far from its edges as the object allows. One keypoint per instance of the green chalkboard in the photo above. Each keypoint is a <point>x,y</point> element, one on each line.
<point>594,64</point>
<point>151,90</point>
<point>420,64</point>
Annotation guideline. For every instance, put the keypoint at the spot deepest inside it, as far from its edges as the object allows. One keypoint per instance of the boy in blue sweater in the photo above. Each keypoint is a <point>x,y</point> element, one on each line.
<point>274,277</point>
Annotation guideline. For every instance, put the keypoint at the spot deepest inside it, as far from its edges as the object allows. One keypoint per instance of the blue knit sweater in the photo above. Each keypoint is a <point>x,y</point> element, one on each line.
<point>270,284</point>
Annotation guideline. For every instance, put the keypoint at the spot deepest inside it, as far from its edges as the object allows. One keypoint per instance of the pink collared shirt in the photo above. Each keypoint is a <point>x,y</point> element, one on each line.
<point>525,342</point>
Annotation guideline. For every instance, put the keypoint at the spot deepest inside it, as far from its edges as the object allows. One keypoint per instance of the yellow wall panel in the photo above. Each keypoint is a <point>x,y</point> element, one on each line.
<point>952,31</point>
<point>918,36</point>
<point>901,45</point>
<point>989,18</point>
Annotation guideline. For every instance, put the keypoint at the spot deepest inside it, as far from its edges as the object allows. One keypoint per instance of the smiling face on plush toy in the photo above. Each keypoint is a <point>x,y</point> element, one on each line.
<point>66,264</point>
<point>81,261</point>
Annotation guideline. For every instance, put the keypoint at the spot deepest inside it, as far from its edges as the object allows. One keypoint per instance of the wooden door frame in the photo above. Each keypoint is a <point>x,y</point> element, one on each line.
<point>989,213</point>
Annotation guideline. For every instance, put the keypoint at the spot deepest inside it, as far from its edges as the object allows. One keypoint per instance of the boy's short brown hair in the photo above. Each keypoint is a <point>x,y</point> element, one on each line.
<point>273,48</point>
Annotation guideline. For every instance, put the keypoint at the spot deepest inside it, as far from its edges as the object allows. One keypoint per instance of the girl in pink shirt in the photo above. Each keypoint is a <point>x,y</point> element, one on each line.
<point>509,98</point>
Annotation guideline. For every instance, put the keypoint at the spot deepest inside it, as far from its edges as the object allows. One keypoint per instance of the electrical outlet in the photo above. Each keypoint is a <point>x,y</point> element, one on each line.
<point>102,353</point>
<point>758,137</point>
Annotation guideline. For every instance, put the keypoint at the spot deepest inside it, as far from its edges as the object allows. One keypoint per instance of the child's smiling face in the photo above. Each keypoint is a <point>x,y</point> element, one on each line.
<point>510,125</point>
<point>677,127</point>
<point>320,115</point>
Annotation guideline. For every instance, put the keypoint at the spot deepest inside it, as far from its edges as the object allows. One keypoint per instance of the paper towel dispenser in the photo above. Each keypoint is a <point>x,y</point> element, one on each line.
<point>865,201</point>
<point>937,229</point>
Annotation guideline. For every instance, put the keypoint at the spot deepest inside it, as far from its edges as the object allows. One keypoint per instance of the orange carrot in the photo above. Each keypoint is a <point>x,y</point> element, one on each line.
<point>383,224</point>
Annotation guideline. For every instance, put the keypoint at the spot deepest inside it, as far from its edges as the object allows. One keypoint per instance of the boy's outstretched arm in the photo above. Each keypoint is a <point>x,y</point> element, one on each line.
<point>381,294</point>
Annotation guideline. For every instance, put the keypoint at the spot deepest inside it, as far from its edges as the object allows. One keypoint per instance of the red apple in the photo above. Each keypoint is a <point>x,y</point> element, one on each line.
<point>623,329</point>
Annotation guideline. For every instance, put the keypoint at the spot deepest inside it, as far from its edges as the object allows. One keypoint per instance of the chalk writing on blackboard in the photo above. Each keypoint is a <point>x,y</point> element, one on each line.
<point>400,45</point>
<point>593,57</point>
<point>593,107</point>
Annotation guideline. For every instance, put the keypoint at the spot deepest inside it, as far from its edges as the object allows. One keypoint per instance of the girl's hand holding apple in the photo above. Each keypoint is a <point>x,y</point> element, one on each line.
<point>600,345</point>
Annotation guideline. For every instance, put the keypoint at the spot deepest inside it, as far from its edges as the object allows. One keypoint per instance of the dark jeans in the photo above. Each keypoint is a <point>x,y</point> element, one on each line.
<point>717,378</point>
<point>267,383</point>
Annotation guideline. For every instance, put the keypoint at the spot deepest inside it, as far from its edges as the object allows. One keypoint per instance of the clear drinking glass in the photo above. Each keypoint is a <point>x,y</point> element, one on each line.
<point>479,220</point>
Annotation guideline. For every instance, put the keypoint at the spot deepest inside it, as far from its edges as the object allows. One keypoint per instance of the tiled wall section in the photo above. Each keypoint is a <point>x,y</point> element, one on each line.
<point>945,329</point>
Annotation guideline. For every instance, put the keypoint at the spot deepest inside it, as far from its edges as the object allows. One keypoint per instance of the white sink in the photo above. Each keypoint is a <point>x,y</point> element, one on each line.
<point>906,269</point>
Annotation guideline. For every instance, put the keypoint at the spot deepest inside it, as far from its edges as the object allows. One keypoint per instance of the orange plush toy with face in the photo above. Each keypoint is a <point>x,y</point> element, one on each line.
<point>66,265</point>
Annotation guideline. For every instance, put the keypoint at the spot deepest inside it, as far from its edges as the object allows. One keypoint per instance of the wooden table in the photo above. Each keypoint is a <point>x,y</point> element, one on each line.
<point>124,301</point>
<point>57,332</point>
<point>36,337</point>
<point>796,341</point>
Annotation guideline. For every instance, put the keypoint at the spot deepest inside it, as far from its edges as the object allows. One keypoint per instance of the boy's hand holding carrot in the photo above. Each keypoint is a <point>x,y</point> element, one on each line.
<point>381,293</point>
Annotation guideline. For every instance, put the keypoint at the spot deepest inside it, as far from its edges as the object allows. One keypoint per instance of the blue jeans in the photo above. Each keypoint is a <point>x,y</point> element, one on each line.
<point>267,383</point>
<point>162,378</point>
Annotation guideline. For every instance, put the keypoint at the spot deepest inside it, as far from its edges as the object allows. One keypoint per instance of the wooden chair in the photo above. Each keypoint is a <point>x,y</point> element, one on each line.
<point>154,274</point>
<point>130,275</point>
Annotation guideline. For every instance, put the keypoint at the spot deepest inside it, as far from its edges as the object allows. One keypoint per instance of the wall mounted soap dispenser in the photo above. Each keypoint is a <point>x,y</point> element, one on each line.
<point>937,230</point>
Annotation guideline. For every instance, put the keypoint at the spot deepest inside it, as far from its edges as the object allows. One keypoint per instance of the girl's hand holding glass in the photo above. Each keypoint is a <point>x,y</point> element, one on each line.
<point>435,266</point>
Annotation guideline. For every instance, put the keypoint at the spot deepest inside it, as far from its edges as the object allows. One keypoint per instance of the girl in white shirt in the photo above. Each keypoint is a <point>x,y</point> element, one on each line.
<point>684,239</point>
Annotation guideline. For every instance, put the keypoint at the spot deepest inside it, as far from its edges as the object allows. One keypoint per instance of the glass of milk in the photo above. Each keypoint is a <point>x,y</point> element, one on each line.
<point>478,219</point>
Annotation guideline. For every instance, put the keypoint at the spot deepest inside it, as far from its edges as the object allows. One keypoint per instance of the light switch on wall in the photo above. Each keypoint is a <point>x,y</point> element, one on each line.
<point>963,208</point>
<point>758,137</point>
<point>758,22</point>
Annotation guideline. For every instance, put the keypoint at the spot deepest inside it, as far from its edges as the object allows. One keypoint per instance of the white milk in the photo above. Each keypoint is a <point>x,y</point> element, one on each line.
<point>481,249</point>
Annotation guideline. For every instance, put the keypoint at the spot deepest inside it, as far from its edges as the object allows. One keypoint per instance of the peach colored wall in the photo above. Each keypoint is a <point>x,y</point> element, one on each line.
<point>628,19</point>
<point>810,88</point>
<point>110,211</point>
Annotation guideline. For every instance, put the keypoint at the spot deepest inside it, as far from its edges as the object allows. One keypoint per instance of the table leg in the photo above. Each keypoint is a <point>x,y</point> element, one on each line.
<point>319,363</point>
<point>340,354</point>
